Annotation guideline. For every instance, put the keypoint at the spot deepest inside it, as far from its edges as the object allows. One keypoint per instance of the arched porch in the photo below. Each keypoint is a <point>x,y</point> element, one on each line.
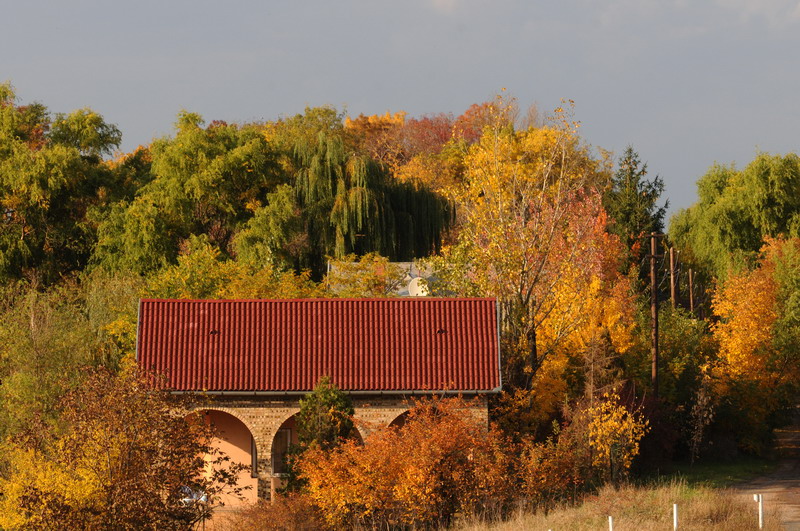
<point>235,440</point>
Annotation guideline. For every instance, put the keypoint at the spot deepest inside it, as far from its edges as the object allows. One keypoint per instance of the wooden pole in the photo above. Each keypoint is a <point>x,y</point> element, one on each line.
<point>672,275</point>
<point>653,316</point>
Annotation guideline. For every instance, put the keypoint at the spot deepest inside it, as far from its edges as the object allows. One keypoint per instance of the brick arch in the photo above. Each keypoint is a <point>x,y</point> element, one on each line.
<point>244,419</point>
<point>272,428</point>
<point>361,431</point>
<point>378,415</point>
<point>399,420</point>
<point>233,412</point>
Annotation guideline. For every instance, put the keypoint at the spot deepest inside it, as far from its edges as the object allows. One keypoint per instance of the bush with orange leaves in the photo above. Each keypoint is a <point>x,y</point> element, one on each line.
<point>442,461</point>
<point>557,469</point>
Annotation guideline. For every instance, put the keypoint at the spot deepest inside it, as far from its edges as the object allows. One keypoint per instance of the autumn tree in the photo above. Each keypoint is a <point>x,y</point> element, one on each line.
<point>371,275</point>
<point>378,136</point>
<point>128,457</point>
<point>531,234</point>
<point>614,435</point>
<point>421,151</point>
<point>756,376</point>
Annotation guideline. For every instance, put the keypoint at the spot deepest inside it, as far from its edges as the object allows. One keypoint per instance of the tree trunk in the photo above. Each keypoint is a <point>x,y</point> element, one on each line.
<point>533,359</point>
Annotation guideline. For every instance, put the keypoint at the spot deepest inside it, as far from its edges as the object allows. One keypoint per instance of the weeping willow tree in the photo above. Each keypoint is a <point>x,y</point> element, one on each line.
<point>348,202</point>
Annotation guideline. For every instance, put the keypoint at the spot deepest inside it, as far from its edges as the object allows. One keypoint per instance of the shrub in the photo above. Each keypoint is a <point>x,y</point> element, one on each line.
<point>443,460</point>
<point>326,415</point>
<point>293,512</point>
<point>557,469</point>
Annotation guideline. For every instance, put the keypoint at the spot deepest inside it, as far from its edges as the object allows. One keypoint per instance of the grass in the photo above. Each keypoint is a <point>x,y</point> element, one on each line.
<point>715,474</point>
<point>644,507</point>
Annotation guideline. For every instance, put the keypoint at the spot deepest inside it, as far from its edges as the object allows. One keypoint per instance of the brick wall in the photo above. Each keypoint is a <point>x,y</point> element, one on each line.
<point>264,416</point>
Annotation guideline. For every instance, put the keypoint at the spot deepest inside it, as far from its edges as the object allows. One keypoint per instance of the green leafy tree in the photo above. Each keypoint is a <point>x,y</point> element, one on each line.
<point>737,210</point>
<point>326,416</point>
<point>86,131</point>
<point>276,234</point>
<point>202,272</point>
<point>325,420</point>
<point>349,202</point>
<point>204,181</point>
<point>48,337</point>
<point>51,177</point>
<point>44,340</point>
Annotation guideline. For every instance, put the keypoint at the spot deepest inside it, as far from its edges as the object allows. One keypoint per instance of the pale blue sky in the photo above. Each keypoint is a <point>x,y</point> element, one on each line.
<point>687,82</point>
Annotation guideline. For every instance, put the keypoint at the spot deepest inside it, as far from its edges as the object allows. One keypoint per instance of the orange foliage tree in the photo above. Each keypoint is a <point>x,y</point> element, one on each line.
<point>424,151</point>
<point>757,373</point>
<point>443,460</point>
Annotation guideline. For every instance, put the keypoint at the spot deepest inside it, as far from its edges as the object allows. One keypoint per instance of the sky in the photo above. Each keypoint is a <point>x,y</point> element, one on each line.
<point>687,83</point>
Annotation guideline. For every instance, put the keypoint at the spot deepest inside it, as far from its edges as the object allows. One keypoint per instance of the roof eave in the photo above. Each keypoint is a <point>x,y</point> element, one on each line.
<point>356,392</point>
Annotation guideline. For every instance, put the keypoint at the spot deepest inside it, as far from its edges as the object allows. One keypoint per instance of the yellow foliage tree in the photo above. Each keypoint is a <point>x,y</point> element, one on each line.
<point>614,435</point>
<point>532,232</point>
<point>371,275</point>
<point>202,273</point>
<point>530,211</point>
<point>747,306</point>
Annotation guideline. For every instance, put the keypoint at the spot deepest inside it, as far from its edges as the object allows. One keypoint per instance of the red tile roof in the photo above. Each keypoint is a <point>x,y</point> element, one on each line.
<point>287,345</point>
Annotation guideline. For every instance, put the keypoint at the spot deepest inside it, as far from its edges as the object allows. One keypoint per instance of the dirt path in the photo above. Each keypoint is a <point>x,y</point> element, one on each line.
<point>782,487</point>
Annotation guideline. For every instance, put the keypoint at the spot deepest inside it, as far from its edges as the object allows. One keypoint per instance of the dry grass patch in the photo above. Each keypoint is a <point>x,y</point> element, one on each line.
<point>645,507</point>
<point>287,513</point>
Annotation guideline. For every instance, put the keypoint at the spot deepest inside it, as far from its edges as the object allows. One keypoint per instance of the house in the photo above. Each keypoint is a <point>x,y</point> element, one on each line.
<point>257,358</point>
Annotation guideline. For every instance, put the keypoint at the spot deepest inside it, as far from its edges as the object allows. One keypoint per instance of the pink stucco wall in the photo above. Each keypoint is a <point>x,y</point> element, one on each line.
<point>235,441</point>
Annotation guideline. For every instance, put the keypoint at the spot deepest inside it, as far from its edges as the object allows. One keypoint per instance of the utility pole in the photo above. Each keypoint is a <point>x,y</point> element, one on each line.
<point>653,316</point>
<point>691,291</point>
<point>672,275</point>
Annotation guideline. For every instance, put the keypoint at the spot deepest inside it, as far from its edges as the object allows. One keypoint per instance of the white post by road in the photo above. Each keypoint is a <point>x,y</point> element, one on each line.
<point>610,523</point>
<point>675,517</point>
<point>760,499</point>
